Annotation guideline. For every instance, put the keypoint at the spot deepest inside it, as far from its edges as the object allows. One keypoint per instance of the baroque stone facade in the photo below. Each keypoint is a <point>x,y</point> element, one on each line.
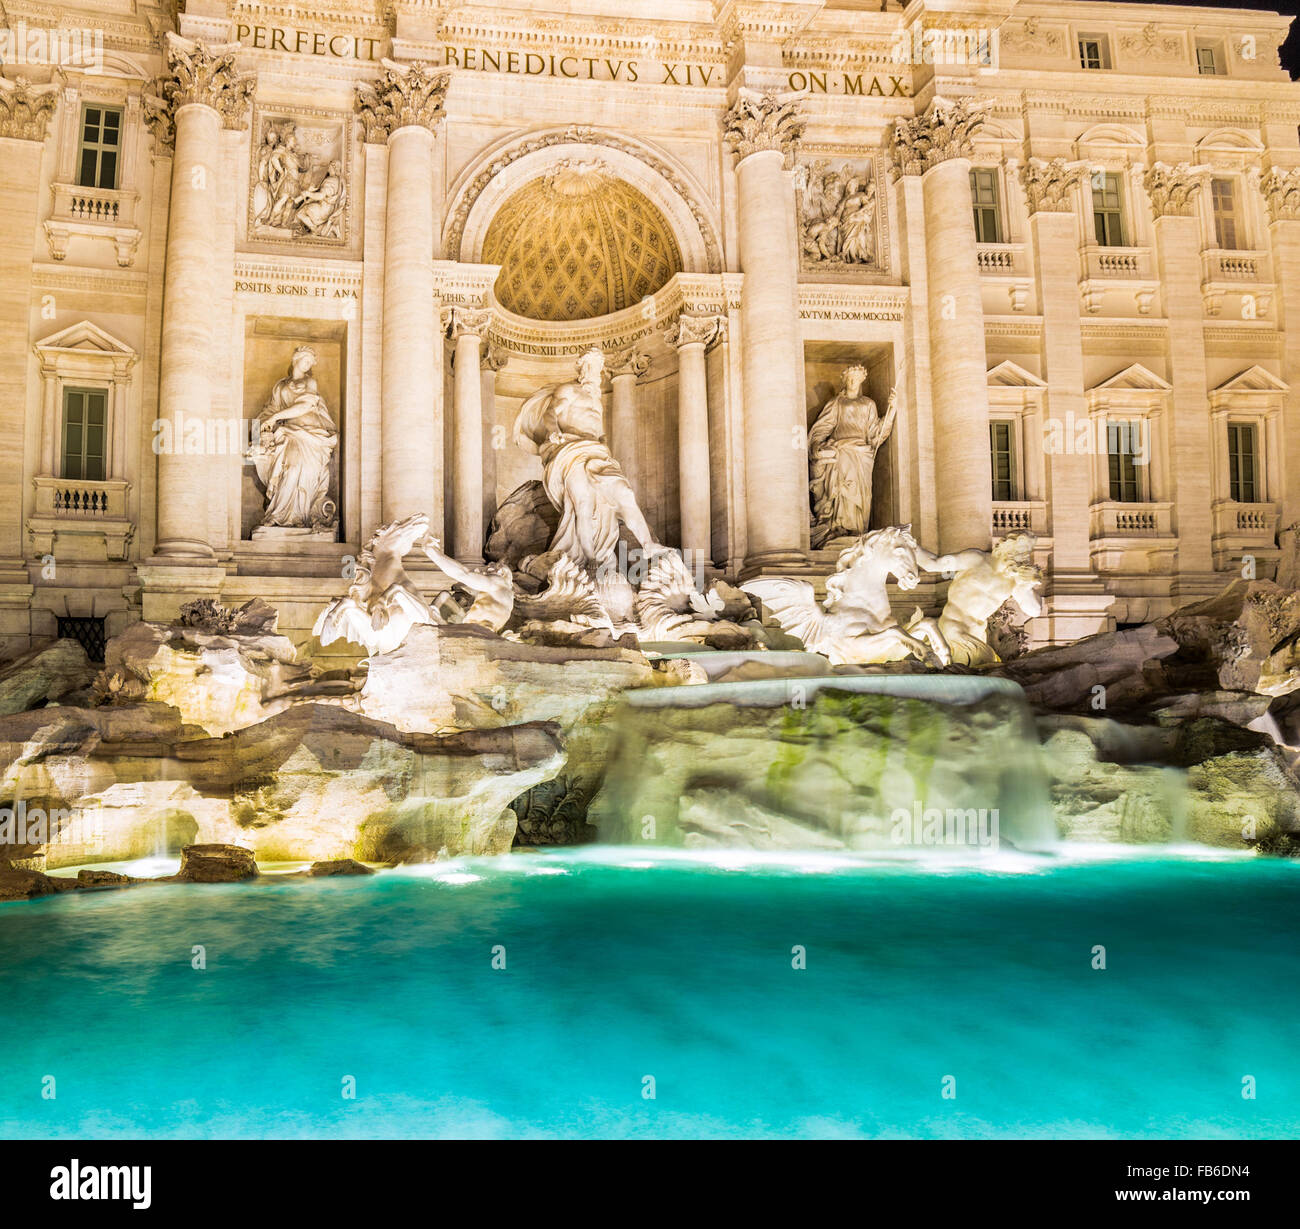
<point>1060,243</point>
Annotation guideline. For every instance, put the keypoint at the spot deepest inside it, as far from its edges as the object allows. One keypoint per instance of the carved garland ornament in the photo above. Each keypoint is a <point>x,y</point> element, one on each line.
<point>578,135</point>
<point>400,97</point>
<point>944,131</point>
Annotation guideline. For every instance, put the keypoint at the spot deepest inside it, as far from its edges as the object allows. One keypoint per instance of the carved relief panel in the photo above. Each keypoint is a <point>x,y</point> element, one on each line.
<point>300,180</point>
<point>841,216</point>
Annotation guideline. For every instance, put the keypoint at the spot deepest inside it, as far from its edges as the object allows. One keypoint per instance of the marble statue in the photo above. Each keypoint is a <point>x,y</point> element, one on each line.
<point>493,587</point>
<point>294,452</point>
<point>382,603</point>
<point>982,581</point>
<point>319,210</point>
<point>855,625</point>
<point>842,447</point>
<point>564,424</point>
<point>838,216</point>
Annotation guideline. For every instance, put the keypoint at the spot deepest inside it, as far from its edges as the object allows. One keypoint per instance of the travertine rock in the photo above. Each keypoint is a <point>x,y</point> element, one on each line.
<point>222,681</point>
<point>315,782</point>
<point>216,864</point>
<point>465,678</point>
<point>44,675</point>
<point>827,774</point>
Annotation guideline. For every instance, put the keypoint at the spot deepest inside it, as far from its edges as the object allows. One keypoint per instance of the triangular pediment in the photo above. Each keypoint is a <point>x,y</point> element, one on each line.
<point>86,337</point>
<point>1011,375</point>
<point>1135,379</point>
<point>1253,380</point>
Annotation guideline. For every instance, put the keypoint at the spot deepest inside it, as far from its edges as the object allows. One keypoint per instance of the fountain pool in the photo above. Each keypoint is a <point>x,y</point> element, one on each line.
<point>623,964</point>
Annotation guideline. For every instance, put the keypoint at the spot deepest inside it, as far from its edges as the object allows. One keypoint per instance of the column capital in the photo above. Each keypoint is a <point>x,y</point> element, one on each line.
<point>1281,189</point>
<point>1173,189</point>
<point>630,362</point>
<point>202,75</point>
<point>757,122</point>
<point>25,109</point>
<point>402,96</point>
<point>696,331</point>
<point>464,321</point>
<point>943,131</point>
<point>1049,184</point>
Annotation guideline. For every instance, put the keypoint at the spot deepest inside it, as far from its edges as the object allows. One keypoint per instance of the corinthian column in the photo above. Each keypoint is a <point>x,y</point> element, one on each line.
<point>24,113</point>
<point>1173,191</point>
<point>625,370</point>
<point>465,327</point>
<point>692,336</point>
<point>1281,189</point>
<point>404,108</point>
<point>763,129</point>
<point>200,92</point>
<point>937,147</point>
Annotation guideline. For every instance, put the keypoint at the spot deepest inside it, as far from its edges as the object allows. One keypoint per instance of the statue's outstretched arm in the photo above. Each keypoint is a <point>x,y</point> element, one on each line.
<point>457,572</point>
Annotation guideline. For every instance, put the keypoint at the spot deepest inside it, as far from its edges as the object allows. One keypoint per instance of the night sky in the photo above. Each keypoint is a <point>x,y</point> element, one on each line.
<point>1290,49</point>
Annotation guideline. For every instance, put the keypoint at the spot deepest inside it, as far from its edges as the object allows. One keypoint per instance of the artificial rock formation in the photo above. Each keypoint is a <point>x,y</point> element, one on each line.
<point>314,782</point>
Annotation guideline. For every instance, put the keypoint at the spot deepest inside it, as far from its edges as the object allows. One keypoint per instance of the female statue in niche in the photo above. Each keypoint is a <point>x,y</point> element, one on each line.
<point>294,450</point>
<point>842,447</point>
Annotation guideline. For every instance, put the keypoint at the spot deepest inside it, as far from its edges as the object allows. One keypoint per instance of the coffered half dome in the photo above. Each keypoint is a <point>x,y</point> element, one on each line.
<point>578,242</point>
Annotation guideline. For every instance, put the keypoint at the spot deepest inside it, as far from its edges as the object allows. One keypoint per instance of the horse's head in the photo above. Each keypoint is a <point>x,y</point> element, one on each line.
<point>875,556</point>
<point>400,537</point>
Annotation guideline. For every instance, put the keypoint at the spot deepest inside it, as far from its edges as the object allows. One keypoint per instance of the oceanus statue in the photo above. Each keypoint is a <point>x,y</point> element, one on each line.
<point>855,625</point>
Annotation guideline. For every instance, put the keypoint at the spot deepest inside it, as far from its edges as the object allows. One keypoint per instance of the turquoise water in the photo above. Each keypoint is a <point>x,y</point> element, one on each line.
<point>621,966</point>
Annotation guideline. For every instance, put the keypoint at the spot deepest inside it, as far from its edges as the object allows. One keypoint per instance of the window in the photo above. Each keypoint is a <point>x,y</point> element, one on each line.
<point>1108,210</point>
<point>90,633</point>
<point>1242,462</point>
<point>1209,59</point>
<point>85,411</point>
<point>101,142</point>
<point>1223,202</point>
<point>1121,451</point>
<point>1094,51</point>
<point>984,198</point>
<point>1002,450</point>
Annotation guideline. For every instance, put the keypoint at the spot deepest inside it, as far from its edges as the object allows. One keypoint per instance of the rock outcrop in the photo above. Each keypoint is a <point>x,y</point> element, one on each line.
<point>314,782</point>
<point>44,676</point>
<point>465,678</point>
<point>216,864</point>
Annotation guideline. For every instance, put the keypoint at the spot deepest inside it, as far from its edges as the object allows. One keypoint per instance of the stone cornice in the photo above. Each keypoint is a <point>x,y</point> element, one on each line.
<point>25,109</point>
<point>402,96</point>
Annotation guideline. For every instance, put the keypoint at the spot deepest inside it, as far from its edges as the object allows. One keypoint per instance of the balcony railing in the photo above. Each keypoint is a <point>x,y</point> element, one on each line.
<point>96,213</point>
<point>1221,265</point>
<point>77,498</point>
<point>1132,264</point>
<point>1145,520</point>
<point>1005,259</point>
<point>1019,516</point>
